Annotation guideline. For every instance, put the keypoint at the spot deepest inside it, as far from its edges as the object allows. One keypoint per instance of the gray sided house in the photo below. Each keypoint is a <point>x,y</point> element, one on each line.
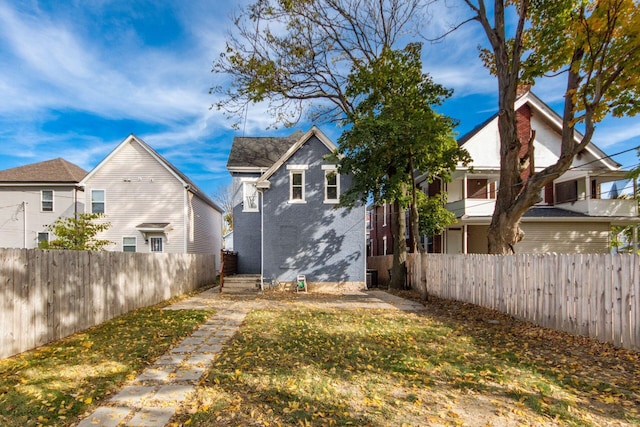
<point>285,215</point>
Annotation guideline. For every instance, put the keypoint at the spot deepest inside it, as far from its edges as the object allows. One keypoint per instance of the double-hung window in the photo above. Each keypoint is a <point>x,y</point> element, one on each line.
<point>249,196</point>
<point>43,238</point>
<point>46,197</point>
<point>297,183</point>
<point>128,244</point>
<point>98,201</point>
<point>331,184</point>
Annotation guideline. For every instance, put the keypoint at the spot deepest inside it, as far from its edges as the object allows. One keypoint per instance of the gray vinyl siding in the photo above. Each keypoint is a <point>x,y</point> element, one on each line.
<point>313,238</point>
<point>246,230</point>
<point>12,218</point>
<point>204,228</point>
<point>139,189</point>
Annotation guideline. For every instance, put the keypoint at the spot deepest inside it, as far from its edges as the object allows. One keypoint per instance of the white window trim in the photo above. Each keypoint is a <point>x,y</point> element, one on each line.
<point>328,170</point>
<point>104,202</point>
<point>384,215</point>
<point>293,171</point>
<point>42,232</point>
<point>53,198</point>
<point>151,245</point>
<point>245,184</point>
<point>135,244</point>
<point>297,167</point>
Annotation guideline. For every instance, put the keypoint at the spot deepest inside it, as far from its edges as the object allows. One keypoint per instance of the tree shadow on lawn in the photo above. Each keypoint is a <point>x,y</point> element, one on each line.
<point>381,367</point>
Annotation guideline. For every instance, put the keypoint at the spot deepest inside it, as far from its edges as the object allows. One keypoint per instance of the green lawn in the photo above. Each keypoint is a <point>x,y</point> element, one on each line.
<point>54,384</point>
<point>452,366</point>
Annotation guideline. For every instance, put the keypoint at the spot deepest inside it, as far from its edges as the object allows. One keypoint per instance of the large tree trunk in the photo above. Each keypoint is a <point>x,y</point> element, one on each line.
<point>399,267</point>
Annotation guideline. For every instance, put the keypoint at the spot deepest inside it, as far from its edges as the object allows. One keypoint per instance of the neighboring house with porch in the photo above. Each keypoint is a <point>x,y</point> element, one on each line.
<point>34,196</point>
<point>285,217</point>
<point>151,205</point>
<point>576,212</point>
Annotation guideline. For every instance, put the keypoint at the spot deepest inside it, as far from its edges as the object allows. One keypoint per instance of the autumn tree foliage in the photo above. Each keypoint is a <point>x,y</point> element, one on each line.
<point>299,56</point>
<point>78,233</point>
<point>595,44</point>
<point>294,57</point>
<point>393,132</point>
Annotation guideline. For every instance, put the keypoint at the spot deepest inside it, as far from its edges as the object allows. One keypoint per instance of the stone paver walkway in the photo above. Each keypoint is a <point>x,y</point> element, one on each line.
<point>153,397</point>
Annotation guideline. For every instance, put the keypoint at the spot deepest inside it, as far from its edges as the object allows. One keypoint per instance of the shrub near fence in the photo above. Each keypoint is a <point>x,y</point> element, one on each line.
<point>48,295</point>
<point>594,295</point>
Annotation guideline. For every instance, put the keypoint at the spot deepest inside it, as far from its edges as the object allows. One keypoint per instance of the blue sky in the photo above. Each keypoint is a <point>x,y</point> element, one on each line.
<point>77,77</point>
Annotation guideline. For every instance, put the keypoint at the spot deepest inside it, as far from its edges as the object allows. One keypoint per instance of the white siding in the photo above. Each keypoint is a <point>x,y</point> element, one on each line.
<point>565,237</point>
<point>12,219</point>
<point>204,228</point>
<point>139,189</point>
<point>546,237</point>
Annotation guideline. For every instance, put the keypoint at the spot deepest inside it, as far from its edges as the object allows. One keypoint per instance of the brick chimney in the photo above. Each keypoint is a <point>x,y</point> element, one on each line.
<point>523,123</point>
<point>522,90</point>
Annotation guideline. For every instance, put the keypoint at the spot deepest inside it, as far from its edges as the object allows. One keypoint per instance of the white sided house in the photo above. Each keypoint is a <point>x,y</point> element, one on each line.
<point>151,205</point>
<point>34,196</point>
<point>577,209</point>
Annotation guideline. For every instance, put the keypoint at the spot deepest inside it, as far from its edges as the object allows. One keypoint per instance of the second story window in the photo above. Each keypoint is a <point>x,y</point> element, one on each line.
<point>331,186</point>
<point>46,197</point>
<point>249,197</point>
<point>98,201</point>
<point>297,183</point>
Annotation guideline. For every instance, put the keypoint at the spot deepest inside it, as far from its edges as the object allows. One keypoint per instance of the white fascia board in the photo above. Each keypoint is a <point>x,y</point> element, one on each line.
<point>127,140</point>
<point>295,147</point>
<point>556,120</point>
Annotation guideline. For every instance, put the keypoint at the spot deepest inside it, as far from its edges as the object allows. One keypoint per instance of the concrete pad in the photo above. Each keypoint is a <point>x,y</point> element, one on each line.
<point>152,417</point>
<point>201,358</point>
<point>106,417</point>
<point>172,394</point>
<point>134,395</point>
<point>186,348</point>
<point>210,348</point>
<point>190,373</point>
<point>192,341</point>
<point>171,359</point>
<point>160,373</point>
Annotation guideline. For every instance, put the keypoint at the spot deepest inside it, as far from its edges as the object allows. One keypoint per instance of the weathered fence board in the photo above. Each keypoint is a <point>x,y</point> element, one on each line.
<point>595,295</point>
<point>48,295</point>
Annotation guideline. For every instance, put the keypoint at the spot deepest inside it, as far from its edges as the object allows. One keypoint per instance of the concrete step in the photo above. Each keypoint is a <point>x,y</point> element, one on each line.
<point>241,283</point>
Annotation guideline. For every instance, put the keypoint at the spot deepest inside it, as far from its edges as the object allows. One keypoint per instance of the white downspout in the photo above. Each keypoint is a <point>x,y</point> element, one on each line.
<point>261,240</point>
<point>24,221</point>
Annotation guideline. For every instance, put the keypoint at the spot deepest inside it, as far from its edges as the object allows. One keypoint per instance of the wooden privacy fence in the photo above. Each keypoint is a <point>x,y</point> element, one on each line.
<point>594,295</point>
<point>48,295</point>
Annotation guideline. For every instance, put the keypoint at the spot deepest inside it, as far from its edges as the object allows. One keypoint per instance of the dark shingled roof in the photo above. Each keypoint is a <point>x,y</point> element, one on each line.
<point>260,152</point>
<point>551,212</point>
<point>56,170</point>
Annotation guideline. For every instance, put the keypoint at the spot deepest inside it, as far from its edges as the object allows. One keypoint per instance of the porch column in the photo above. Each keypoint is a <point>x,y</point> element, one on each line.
<point>465,232</point>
